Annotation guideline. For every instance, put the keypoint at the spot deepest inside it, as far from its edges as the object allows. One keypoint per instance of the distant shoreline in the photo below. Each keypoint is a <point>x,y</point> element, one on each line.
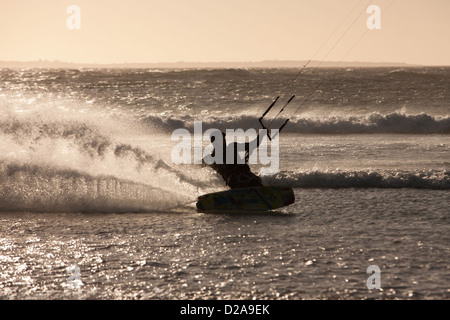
<point>203,65</point>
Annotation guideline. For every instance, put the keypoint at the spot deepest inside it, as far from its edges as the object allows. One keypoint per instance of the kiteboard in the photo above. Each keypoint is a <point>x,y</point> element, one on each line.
<point>253,199</point>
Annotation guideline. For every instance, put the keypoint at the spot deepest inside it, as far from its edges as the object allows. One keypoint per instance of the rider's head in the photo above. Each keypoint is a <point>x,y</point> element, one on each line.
<point>213,137</point>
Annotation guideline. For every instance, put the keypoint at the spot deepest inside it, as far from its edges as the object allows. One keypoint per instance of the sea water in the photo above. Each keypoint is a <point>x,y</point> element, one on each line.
<point>93,207</point>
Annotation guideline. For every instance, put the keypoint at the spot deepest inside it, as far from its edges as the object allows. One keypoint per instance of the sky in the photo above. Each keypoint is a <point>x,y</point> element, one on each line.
<point>152,31</point>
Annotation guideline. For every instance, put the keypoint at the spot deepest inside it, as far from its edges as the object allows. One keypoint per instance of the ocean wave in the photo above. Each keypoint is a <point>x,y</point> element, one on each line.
<point>396,122</point>
<point>415,73</point>
<point>431,179</point>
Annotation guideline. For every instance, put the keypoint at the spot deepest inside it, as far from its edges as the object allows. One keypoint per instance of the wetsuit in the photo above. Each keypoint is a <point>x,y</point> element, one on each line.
<point>237,175</point>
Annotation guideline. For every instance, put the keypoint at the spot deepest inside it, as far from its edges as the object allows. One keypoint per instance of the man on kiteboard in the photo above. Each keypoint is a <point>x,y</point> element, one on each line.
<point>236,174</point>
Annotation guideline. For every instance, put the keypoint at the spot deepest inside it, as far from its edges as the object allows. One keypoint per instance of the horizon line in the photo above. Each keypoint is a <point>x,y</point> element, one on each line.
<point>209,64</point>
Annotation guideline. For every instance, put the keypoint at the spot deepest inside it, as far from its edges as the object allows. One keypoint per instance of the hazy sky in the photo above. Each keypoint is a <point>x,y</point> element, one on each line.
<point>117,31</point>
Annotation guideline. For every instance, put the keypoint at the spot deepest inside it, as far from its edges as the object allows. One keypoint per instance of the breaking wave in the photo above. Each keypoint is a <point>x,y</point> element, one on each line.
<point>396,122</point>
<point>432,179</point>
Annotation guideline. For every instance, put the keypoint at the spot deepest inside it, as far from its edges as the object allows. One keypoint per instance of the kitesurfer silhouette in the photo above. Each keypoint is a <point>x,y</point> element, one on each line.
<point>235,173</point>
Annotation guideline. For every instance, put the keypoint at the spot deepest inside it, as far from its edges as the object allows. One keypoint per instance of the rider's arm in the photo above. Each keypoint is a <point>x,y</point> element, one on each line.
<point>251,145</point>
<point>258,139</point>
